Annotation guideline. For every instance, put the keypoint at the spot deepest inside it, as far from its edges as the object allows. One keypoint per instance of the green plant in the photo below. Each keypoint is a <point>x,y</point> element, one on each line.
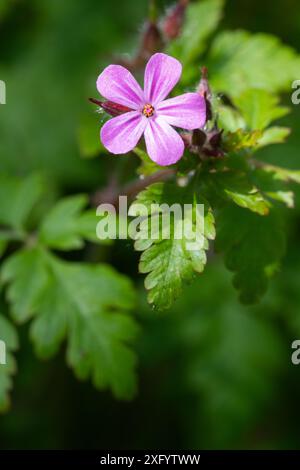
<point>88,305</point>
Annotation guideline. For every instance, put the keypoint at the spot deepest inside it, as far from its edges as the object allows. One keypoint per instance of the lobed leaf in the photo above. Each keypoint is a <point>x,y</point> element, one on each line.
<point>84,304</point>
<point>67,225</point>
<point>170,262</point>
<point>17,199</point>
<point>253,247</point>
<point>259,108</point>
<point>239,61</point>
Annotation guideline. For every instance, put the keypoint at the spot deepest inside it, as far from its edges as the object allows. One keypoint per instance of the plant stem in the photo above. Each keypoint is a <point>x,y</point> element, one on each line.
<point>153,13</point>
<point>131,189</point>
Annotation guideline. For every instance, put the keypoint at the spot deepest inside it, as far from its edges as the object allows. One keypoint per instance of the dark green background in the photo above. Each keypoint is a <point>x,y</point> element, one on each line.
<point>212,373</point>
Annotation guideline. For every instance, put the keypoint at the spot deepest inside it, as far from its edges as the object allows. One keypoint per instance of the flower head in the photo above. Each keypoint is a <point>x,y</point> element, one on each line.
<point>149,112</point>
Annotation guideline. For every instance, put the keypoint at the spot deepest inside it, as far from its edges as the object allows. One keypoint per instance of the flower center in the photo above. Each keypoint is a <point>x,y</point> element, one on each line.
<point>148,110</point>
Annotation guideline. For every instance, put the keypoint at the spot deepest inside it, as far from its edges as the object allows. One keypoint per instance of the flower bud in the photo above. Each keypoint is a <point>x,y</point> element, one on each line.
<point>174,20</point>
<point>111,108</point>
<point>204,90</point>
<point>152,41</point>
<point>214,142</point>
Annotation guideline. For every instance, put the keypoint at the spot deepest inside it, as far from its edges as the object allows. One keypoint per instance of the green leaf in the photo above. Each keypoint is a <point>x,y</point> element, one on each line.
<point>27,275</point>
<point>229,118</point>
<point>67,226</point>
<point>147,167</point>
<point>274,135</point>
<point>285,197</point>
<point>239,61</point>
<point>240,139</point>
<point>167,261</point>
<point>253,200</point>
<point>87,305</point>
<point>8,344</point>
<point>90,305</point>
<point>253,247</point>
<point>259,108</point>
<point>235,186</point>
<point>17,199</point>
<point>272,187</point>
<point>202,18</point>
<point>87,224</point>
<point>282,174</point>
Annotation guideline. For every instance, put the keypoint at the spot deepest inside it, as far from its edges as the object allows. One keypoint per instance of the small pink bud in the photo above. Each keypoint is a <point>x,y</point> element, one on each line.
<point>174,20</point>
<point>204,90</point>
<point>152,41</point>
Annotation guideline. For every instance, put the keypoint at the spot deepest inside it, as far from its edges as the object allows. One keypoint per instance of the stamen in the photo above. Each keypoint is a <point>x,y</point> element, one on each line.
<point>148,110</point>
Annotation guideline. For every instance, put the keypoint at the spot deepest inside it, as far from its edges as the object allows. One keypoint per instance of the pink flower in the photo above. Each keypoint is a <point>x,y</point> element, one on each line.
<point>150,114</point>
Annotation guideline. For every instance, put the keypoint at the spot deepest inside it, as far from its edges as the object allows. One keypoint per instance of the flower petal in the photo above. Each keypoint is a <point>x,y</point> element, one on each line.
<point>117,84</point>
<point>161,75</point>
<point>122,133</point>
<point>187,111</point>
<point>164,144</point>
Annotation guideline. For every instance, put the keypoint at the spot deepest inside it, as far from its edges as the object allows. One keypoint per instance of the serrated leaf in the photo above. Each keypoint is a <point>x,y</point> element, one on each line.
<point>87,305</point>
<point>239,61</point>
<point>253,247</point>
<point>8,344</point>
<point>170,262</point>
<point>259,108</point>
<point>17,199</point>
<point>67,225</point>
<point>202,19</point>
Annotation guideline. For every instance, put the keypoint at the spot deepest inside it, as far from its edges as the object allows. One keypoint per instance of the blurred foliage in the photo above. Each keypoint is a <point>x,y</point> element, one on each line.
<point>212,373</point>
